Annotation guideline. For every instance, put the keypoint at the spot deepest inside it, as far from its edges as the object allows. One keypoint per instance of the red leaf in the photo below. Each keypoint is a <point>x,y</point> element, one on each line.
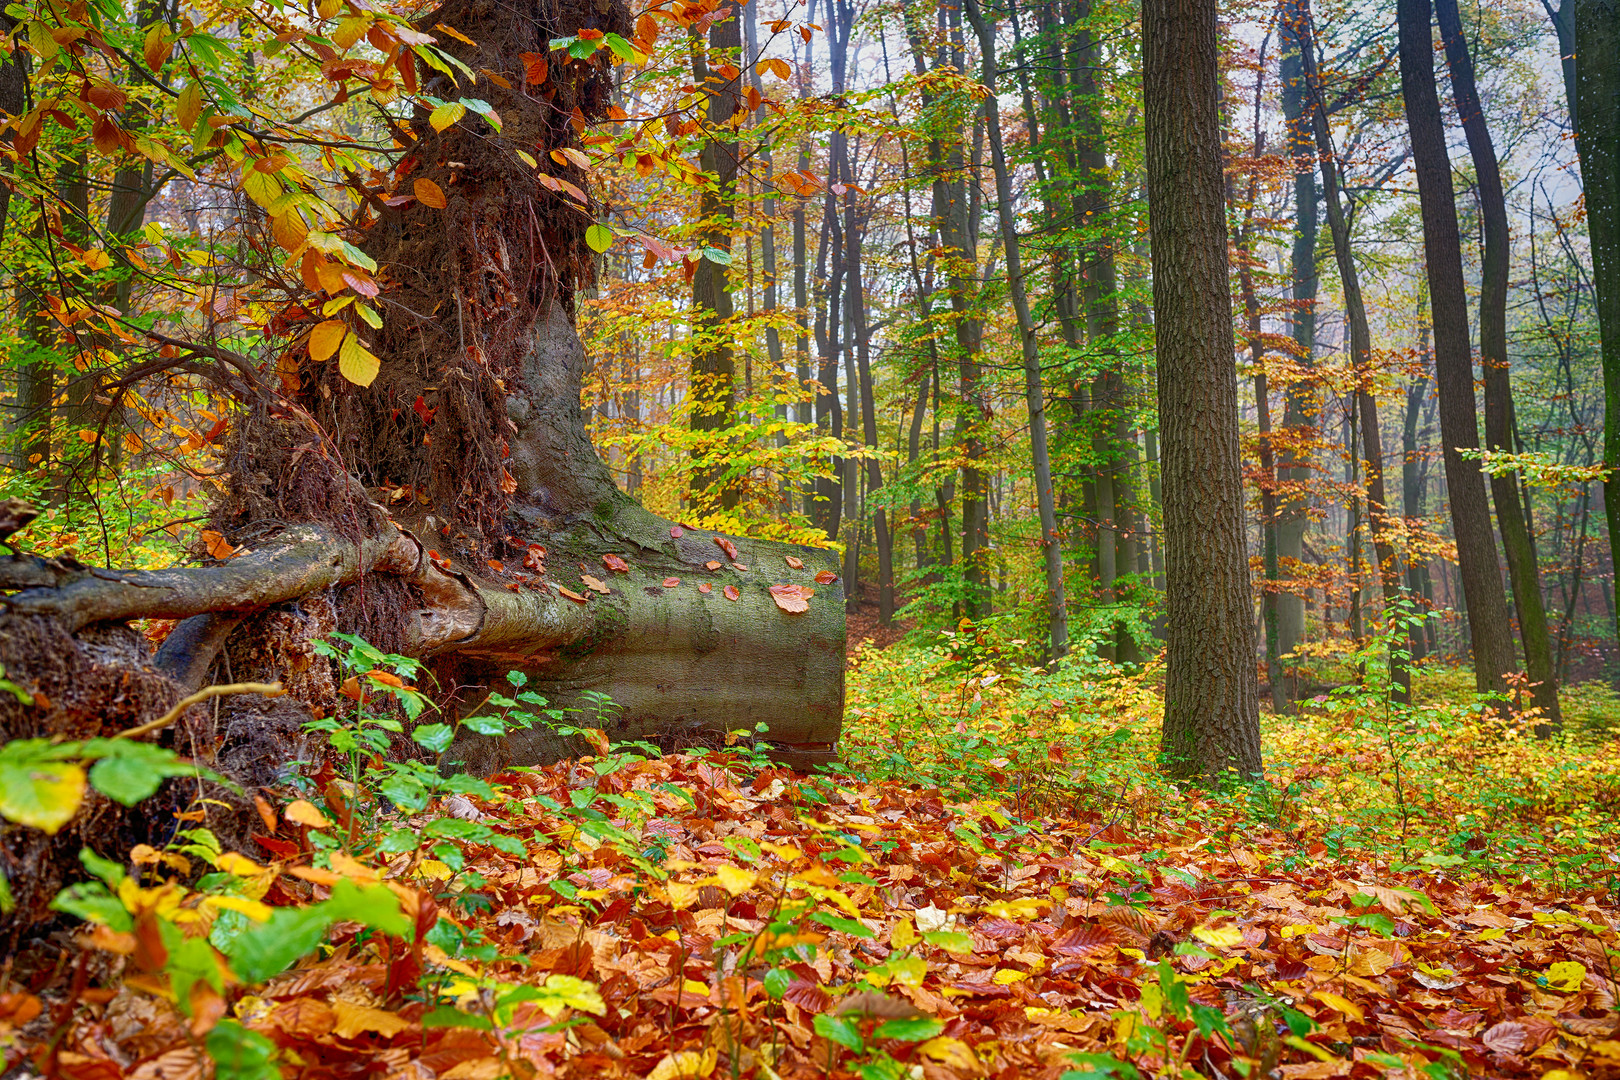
<point>826,577</point>
<point>676,532</point>
<point>616,564</point>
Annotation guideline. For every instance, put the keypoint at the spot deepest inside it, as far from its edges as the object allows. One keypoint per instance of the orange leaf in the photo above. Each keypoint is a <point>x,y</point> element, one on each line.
<point>712,564</point>
<point>387,678</point>
<point>676,532</point>
<point>732,593</point>
<point>797,564</point>
<point>572,595</point>
<point>791,598</point>
<point>496,565</point>
<point>671,582</point>
<point>826,577</point>
<point>304,812</point>
<point>430,194</point>
<point>705,587</point>
<point>616,564</point>
<point>594,584</point>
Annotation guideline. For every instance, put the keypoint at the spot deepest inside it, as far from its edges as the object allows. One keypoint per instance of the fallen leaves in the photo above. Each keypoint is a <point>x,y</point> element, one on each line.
<point>615,564</point>
<point>793,599</point>
<point>595,584</point>
<point>732,593</point>
<point>728,547</point>
<point>826,577</point>
<point>671,582</point>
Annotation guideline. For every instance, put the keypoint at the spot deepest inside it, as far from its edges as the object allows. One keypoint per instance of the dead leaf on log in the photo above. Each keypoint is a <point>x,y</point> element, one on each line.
<point>594,584</point>
<point>732,593</point>
<point>797,564</point>
<point>793,599</point>
<point>676,532</point>
<point>616,564</point>
<point>572,595</point>
<point>671,582</point>
<point>826,577</point>
<point>739,567</point>
<point>728,547</point>
<point>705,587</point>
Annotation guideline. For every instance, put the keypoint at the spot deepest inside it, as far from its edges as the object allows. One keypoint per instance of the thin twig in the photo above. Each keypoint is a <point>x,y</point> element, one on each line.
<point>267,689</point>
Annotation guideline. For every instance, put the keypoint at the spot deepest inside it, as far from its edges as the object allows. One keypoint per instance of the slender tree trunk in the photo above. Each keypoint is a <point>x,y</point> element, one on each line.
<point>1034,391</point>
<point>714,364</point>
<point>1417,569</point>
<point>1489,627</point>
<point>1389,570</point>
<point>1300,405</point>
<point>1211,715</point>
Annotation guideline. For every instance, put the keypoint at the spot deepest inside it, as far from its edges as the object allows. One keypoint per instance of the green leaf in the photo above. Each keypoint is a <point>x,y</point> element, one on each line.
<point>435,737</point>
<point>620,48</point>
<point>448,1016</point>
<point>950,940</point>
<point>124,779</point>
<point>583,48</point>
<point>777,981</point>
<point>240,1054</point>
<point>91,901</point>
<point>108,871</point>
<point>848,926</point>
<point>598,238</point>
<point>1100,1067</point>
<point>457,829</point>
<point>271,947</point>
<point>913,1030</point>
<point>716,255</point>
<point>839,1030</point>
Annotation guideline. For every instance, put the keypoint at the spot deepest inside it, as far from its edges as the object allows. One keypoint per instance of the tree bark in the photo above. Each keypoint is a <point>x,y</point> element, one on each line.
<point>1488,623</point>
<point>714,365</point>
<point>1597,140</point>
<point>1300,404</point>
<point>1211,717</point>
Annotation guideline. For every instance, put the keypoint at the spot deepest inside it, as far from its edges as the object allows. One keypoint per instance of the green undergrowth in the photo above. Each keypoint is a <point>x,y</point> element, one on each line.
<point>1353,776</point>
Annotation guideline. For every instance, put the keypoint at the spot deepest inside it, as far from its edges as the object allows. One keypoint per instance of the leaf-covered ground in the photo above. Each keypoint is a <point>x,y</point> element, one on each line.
<point>774,927</point>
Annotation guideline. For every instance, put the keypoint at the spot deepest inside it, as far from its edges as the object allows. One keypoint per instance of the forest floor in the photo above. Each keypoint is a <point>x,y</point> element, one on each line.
<point>998,883</point>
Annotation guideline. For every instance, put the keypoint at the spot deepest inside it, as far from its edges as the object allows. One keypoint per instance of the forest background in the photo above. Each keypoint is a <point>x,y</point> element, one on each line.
<point>876,278</point>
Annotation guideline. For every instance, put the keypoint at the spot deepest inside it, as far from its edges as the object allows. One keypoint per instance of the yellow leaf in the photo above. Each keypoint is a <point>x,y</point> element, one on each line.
<point>356,363</point>
<point>350,31</point>
<point>44,794</point>
<point>325,339</point>
<point>1339,1004</point>
<point>304,812</point>
<point>253,909</point>
<point>262,188</point>
<point>434,869</point>
<point>1221,936</point>
<point>1566,976</point>
<point>686,1065</point>
<point>1008,976</point>
<point>735,880</point>
<point>1492,934</point>
<point>1017,909</point>
<point>188,106</point>
<point>446,115</point>
<point>952,1053</point>
<point>154,49</point>
<point>96,259</point>
<point>233,862</point>
<point>430,194</point>
<point>682,894</point>
<point>903,935</point>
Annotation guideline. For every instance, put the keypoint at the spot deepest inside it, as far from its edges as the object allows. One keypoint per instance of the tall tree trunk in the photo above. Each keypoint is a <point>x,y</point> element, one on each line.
<point>714,365</point>
<point>1300,406</point>
<point>1389,570</point>
<point>1412,477</point>
<point>1488,623</point>
<point>1211,714</point>
<point>1034,391</point>
<point>1523,573</point>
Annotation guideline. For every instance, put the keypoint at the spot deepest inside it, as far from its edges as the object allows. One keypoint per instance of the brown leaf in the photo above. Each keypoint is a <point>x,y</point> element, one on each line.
<point>616,564</point>
<point>797,564</point>
<point>594,584</point>
<point>572,595</point>
<point>807,996</point>
<point>826,577</point>
<point>1504,1038</point>
<point>732,593</point>
<point>739,567</point>
<point>495,565</point>
<point>671,582</point>
<point>728,547</point>
<point>878,1005</point>
<point>676,532</point>
<point>792,599</point>
<point>712,564</point>
<point>705,587</point>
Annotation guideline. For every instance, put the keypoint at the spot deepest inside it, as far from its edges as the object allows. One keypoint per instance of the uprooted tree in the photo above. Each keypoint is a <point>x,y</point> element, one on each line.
<point>474,413</point>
